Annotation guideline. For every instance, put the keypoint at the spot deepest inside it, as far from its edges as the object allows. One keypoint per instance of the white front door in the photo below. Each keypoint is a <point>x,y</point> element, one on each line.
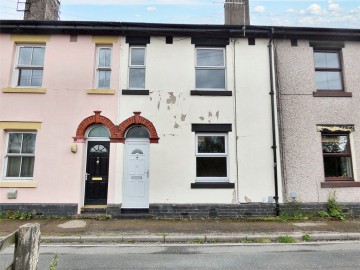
<point>136,174</point>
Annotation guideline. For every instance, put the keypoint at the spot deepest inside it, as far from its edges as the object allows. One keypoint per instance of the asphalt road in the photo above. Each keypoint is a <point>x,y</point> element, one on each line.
<point>339,255</point>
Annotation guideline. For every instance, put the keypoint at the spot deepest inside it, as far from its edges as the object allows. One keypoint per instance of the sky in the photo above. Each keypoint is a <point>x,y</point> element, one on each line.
<point>307,13</point>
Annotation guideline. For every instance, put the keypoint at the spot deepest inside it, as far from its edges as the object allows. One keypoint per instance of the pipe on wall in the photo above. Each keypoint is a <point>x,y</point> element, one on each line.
<point>273,124</point>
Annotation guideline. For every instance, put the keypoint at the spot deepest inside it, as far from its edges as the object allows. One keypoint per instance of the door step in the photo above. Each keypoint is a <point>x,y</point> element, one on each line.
<point>134,211</point>
<point>135,214</point>
<point>94,209</point>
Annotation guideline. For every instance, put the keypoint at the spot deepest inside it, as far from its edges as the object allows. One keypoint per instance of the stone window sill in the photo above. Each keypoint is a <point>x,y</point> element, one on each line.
<point>330,93</point>
<point>212,185</point>
<point>210,93</point>
<point>101,91</point>
<point>338,184</point>
<point>24,90</point>
<point>18,184</point>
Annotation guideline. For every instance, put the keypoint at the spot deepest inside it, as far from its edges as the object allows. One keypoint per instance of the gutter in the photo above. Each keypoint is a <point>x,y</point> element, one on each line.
<point>273,124</point>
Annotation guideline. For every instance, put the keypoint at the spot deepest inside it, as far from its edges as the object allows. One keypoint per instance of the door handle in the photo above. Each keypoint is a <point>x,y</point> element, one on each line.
<point>147,173</point>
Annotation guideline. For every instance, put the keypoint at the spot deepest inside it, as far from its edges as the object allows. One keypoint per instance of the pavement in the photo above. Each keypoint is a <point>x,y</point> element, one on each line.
<point>86,231</point>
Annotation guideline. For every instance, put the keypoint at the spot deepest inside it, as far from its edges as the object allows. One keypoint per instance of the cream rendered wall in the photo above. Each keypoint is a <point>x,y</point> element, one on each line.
<point>69,70</point>
<point>301,112</point>
<point>170,76</point>
<point>255,155</point>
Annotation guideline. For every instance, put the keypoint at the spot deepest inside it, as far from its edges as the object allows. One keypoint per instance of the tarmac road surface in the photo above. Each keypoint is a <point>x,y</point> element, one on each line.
<point>324,255</point>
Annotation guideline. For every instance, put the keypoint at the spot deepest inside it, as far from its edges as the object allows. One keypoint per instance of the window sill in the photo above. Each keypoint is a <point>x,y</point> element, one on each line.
<point>212,185</point>
<point>101,91</point>
<point>24,90</point>
<point>335,184</point>
<point>331,93</point>
<point>210,93</point>
<point>136,92</point>
<point>18,184</point>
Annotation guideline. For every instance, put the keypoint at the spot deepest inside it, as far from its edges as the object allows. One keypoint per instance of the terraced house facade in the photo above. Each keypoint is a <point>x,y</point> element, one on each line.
<point>170,120</point>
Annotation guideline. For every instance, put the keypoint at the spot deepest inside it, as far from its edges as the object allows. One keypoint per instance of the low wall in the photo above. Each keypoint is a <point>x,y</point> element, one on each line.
<point>246,210</point>
<point>41,210</point>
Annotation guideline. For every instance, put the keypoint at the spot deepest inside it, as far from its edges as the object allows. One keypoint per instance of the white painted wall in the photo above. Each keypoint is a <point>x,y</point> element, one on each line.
<point>170,70</point>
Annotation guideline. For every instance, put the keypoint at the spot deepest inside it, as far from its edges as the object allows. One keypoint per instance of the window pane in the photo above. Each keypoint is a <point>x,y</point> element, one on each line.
<point>25,77</point>
<point>210,57</point>
<point>104,57</point>
<point>326,60</point>
<point>335,144</point>
<point>337,166</point>
<point>211,167</point>
<point>36,77</point>
<point>99,131</point>
<point>211,144</point>
<point>25,56</point>
<point>27,166</point>
<point>328,80</point>
<point>137,78</point>
<point>98,149</point>
<point>104,79</point>
<point>38,56</point>
<point>13,166</point>
<point>28,146</point>
<point>137,56</point>
<point>14,142</point>
<point>138,132</point>
<point>210,78</point>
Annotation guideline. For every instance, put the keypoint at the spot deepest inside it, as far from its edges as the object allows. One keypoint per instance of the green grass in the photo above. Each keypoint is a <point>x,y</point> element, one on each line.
<point>286,239</point>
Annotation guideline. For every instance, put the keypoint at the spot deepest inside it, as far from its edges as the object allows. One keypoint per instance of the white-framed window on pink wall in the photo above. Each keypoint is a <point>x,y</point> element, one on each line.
<point>20,155</point>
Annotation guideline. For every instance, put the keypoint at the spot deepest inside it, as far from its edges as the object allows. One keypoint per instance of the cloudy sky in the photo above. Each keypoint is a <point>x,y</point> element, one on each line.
<point>312,13</point>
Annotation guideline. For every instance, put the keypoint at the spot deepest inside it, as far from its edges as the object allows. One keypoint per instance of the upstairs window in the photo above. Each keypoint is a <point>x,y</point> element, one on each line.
<point>137,67</point>
<point>20,155</point>
<point>29,65</point>
<point>337,157</point>
<point>210,69</point>
<point>103,69</point>
<point>328,70</point>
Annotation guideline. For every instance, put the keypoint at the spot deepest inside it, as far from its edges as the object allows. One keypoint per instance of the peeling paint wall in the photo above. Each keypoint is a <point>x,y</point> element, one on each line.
<point>302,113</point>
<point>170,76</point>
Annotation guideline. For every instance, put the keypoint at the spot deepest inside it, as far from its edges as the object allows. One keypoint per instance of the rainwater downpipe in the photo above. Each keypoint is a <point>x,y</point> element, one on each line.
<point>236,123</point>
<point>273,124</point>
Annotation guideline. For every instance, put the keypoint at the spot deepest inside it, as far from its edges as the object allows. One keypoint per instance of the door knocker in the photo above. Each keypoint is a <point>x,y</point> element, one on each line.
<point>97,160</point>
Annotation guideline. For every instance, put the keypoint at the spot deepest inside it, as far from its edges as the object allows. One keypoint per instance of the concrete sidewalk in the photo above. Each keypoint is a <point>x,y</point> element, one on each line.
<point>185,231</point>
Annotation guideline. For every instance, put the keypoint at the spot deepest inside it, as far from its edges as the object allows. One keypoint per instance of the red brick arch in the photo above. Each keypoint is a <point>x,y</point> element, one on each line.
<point>136,119</point>
<point>92,120</point>
<point>117,133</point>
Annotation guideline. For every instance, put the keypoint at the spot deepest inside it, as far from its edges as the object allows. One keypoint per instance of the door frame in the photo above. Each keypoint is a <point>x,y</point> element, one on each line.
<point>83,177</point>
<point>133,141</point>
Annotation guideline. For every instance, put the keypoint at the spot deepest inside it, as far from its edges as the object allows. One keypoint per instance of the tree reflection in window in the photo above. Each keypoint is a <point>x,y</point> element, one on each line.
<point>337,157</point>
<point>211,144</point>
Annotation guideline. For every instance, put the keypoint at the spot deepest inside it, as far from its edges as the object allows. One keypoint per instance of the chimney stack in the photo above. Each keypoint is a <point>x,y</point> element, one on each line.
<point>42,10</point>
<point>237,12</point>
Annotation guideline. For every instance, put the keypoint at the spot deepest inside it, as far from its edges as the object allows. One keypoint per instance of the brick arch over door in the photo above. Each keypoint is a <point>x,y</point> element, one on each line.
<point>92,120</point>
<point>136,119</point>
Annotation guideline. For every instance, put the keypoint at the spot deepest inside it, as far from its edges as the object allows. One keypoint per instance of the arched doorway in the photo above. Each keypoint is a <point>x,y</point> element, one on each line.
<point>97,165</point>
<point>136,168</point>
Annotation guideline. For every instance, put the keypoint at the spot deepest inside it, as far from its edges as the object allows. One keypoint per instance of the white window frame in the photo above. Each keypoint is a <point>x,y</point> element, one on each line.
<point>5,160</point>
<point>211,67</point>
<point>225,154</point>
<point>136,66</point>
<point>102,68</point>
<point>17,67</point>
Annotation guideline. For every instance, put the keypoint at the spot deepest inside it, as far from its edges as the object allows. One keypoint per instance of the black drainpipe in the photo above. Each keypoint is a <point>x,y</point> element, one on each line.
<point>273,111</point>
